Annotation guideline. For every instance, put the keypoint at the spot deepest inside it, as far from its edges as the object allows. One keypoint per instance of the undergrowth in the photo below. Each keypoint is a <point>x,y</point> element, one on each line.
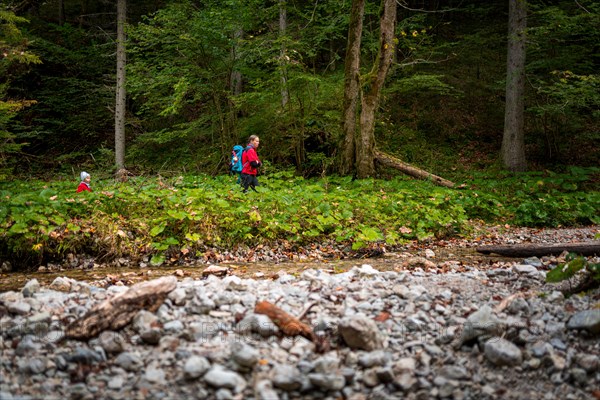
<point>179,217</point>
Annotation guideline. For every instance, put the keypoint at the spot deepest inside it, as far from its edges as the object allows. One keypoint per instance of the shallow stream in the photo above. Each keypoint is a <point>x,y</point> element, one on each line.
<point>459,257</point>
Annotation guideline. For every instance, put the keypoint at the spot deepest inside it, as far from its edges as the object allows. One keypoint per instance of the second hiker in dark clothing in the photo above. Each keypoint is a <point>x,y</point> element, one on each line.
<point>251,163</point>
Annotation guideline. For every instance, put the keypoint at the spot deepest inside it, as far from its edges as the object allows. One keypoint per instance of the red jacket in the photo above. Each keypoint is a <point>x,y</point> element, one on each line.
<point>83,187</point>
<point>247,160</point>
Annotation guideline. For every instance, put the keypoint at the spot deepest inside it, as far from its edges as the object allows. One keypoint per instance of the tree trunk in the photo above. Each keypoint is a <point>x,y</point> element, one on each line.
<point>285,95</point>
<point>530,249</point>
<point>392,162</point>
<point>236,76</point>
<point>365,155</point>
<point>120,95</point>
<point>61,12</point>
<point>513,141</point>
<point>351,85</point>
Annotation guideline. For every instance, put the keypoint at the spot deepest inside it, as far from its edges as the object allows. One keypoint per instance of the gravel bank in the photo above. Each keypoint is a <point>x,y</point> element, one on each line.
<point>466,333</point>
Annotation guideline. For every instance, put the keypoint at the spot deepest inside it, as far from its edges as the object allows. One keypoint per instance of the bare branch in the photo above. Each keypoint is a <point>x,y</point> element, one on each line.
<point>423,61</point>
<point>402,4</point>
<point>582,7</point>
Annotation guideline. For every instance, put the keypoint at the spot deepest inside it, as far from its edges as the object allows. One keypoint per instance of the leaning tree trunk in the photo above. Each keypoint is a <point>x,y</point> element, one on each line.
<point>351,85</point>
<point>513,141</point>
<point>120,93</point>
<point>365,151</point>
<point>392,162</point>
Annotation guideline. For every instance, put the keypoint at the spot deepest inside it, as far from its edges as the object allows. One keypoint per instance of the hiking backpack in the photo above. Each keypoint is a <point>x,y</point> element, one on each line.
<point>236,159</point>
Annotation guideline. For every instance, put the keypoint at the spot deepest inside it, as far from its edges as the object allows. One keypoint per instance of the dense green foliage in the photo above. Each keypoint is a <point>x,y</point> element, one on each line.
<point>185,216</point>
<point>13,46</point>
<point>576,265</point>
<point>572,265</point>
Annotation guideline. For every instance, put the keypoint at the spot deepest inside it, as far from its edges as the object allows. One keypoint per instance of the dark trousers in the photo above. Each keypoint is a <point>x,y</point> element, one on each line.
<point>249,181</point>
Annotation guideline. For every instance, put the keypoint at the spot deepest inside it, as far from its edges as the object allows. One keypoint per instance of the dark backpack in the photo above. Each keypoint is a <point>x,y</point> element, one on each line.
<point>235,165</point>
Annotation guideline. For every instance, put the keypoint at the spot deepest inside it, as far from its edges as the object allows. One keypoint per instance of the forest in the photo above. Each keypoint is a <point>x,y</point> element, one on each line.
<point>497,99</point>
<point>202,76</point>
<point>426,223</point>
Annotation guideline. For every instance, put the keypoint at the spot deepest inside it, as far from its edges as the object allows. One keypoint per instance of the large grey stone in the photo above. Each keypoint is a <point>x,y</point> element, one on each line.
<point>129,361</point>
<point>588,320</point>
<point>327,381</point>
<point>263,390</point>
<point>287,377</point>
<point>244,354</point>
<point>500,351</point>
<point>360,332</point>
<point>481,322</point>
<point>30,288</point>
<point>220,377</point>
<point>195,367</point>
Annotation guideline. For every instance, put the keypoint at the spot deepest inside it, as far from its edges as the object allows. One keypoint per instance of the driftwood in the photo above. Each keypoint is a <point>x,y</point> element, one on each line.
<point>290,325</point>
<point>118,311</point>
<point>393,162</point>
<point>530,250</point>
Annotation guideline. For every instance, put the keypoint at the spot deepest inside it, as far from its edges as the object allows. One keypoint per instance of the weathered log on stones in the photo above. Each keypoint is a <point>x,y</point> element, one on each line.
<point>530,249</point>
<point>290,325</point>
<point>393,162</point>
<point>118,311</point>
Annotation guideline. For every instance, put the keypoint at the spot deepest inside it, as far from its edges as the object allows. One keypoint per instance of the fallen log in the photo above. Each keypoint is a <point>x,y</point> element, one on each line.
<point>290,325</point>
<point>392,162</point>
<point>529,250</point>
<point>118,311</point>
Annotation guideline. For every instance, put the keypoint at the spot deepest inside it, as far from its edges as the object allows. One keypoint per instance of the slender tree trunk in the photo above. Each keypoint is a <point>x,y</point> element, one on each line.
<point>236,87</point>
<point>285,95</point>
<point>120,95</point>
<point>61,12</point>
<point>352,85</point>
<point>236,76</point>
<point>365,156</point>
<point>513,141</point>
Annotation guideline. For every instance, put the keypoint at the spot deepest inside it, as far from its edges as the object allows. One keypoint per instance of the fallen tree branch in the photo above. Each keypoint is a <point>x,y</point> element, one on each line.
<point>118,311</point>
<point>290,325</point>
<point>306,309</point>
<point>529,250</point>
<point>393,162</point>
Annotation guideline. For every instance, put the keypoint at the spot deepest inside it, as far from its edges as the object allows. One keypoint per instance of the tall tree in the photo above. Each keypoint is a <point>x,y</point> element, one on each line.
<point>285,95</point>
<point>513,141</point>
<point>13,51</point>
<point>352,85</point>
<point>369,88</point>
<point>120,92</point>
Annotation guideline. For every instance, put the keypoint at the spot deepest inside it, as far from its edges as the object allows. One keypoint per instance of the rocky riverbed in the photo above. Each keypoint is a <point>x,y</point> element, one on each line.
<point>459,332</point>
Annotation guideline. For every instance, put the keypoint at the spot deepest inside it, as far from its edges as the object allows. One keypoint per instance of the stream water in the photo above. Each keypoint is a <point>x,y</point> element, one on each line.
<point>257,270</point>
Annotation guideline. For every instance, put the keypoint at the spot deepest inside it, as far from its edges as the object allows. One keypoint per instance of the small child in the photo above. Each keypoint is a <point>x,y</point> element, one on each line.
<point>85,182</point>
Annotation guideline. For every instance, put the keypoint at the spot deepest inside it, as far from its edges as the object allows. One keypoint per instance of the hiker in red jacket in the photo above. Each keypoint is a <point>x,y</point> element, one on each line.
<point>251,164</point>
<point>85,182</point>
